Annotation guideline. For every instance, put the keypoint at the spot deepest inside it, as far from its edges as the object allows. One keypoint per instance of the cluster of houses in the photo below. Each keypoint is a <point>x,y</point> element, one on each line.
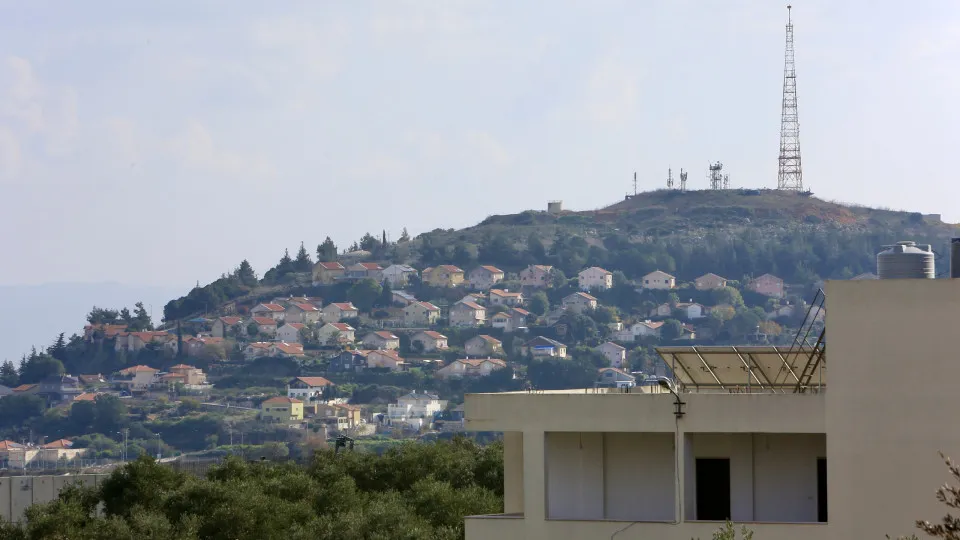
<point>14,455</point>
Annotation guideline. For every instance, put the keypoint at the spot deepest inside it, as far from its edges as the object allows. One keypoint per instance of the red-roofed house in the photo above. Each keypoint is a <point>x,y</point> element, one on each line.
<point>302,313</point>
<point>307,388</point>
<point>227,326</point>
<point>336,333</point>
<point>385,359</point>
<point>136,341</point>
<point>767,285</point>
<point>273,311</point>
<point>477,367</point>
<point>191,375</point>
<point>287,350</point>
<point>467,314</point>
<point>93,332</point>
<point>194,346</point>
<point>484,277</point>
<point>503,297</point>
<point>265,325</point>
<point>430,340</point>
<point>420,314</point>
<point>510,321</point>
<point>281,409</point>
<point>483,346</point>
<point>537,276</point>
<point>445,275</point>
<point>339,311</point>
<point>326,273</point>
<point>381,340</point>
<point>290,332</point>
<point>135,377</point>
<point>257,349</point>
<point>579,302</point>
<point>595,278</point>
<point>365,270</point>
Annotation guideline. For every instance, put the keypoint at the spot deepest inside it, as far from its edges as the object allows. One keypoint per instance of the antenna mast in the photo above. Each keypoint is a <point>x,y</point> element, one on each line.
<point>634,183</point>
<point>669,178</point>
<point>790,174</point>
<point>683,180</point>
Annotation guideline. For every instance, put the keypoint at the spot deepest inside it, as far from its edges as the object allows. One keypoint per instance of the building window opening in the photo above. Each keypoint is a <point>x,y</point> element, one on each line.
<point>822,490</point>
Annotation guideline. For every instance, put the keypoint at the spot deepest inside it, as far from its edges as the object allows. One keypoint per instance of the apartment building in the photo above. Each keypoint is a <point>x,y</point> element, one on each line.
<point>747,433</point>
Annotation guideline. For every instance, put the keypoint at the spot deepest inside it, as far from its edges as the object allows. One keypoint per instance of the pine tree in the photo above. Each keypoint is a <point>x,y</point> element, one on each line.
<point>369,242</point>
<point>8,374</point>
<point>327,251</point>
<point>59,348</point>
<point>245,274</point>
<point>404,236</point>
<point>141,318</point>
<point>386,295</point>
<point>303,263</point>
<point>384,238</point>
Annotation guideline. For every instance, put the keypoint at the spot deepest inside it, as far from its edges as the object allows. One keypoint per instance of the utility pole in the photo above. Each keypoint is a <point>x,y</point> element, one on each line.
<point>790,173</point>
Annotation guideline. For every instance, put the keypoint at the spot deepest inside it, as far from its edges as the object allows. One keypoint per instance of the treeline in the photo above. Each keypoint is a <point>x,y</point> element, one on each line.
<point>798,255</point>
<point>413,491</point>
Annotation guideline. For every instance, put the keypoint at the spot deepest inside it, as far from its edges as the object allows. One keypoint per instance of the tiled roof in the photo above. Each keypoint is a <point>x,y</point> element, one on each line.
<point>265,321</point>
<point>24,387</point>
<point>476,362</point>
<point>660,272</point>
<point>505,294</point>
<point>9,445</point>
<point>296,325</point>
<point>230,321</point>
<point>290,348</point>
<point>450,268</point>
<point>344,306</point>
<point>383,334</point>
<point>541,340</point>
<point>182,366</point>
<point>491,269</point>
<point>305,307</point>
<point>341,326</point>
<point>138,369</point>
<point>370,266</point>
<point>260,345</point>
<point>471,305</point>
<point>433,335</point>
<point>271,307</point>
<point>652,325</point>
<point>712,275</point>
<point>601,270</point>
<point>330,265</point>
<point>428,306</point>
<point>582,295</point>
<point>315,381</point>
<point>615,370</point>
<point>519,311</point>
<point>281,399</point>
<point>87,396</point>
<point>388,353</point>
<point>543,267</point>
<point>490,339</point>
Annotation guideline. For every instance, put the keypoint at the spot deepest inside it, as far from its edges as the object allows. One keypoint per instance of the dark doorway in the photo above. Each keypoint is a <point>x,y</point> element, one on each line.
<point>822,490</point>
<point>713,489</point>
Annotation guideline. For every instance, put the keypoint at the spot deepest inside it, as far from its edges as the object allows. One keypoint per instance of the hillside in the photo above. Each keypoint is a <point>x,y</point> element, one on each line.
<point>692,213</point>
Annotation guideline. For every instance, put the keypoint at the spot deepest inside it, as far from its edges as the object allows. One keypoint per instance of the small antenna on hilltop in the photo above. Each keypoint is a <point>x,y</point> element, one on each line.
<point>683,180</point>
<point>669,178</point>
<point>634,183</point>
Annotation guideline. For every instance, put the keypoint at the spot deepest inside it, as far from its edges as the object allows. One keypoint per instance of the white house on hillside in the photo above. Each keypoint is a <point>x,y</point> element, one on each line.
<point>595,278</point>
<point>339,311</point>
<point>536,275</point>
<point>482,278</point>
<point>398,275</point>
<point>616,354</point>
<point>579,302</point>
<point>503,297</point>
<point>658,280</point>
<point>414,408</point>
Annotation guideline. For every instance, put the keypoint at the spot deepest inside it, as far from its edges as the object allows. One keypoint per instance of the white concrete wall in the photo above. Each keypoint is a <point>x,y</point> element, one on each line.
<point>618,476</point>
<point>17,493</point>
<point>773,477</point>
<point>574,471</point>
<point>639,481</point>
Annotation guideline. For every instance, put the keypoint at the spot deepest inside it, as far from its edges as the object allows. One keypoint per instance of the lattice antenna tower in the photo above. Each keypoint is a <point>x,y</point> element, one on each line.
<point>714,176</point>
<point>634,183</point>
<point>790,173</point>
<point>669,178</point>
<point>683,180</point>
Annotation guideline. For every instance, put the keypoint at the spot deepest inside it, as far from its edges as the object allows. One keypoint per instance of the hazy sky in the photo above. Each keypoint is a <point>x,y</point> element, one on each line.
<point>162,142</point>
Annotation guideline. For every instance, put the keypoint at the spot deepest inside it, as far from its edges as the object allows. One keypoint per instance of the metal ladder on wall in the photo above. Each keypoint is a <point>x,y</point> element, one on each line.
<point>812,353</point>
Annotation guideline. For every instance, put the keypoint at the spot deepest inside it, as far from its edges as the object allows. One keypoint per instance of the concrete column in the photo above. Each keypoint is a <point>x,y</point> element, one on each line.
<point>534,477</point>
<point>513,472</point>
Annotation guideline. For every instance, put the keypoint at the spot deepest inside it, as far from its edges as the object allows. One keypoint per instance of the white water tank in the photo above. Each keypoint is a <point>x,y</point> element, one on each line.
<point>906,260</point>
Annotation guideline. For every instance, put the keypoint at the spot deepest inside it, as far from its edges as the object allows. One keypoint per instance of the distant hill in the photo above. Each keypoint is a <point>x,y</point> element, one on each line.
<point>736,233</point>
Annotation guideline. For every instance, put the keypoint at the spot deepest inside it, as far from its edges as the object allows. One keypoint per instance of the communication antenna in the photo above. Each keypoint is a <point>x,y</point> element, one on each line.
<point>683,180</point>
<point>790,173</point>
<point>669,178</point>
<point>714,175</point>
<point>634,183</point>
